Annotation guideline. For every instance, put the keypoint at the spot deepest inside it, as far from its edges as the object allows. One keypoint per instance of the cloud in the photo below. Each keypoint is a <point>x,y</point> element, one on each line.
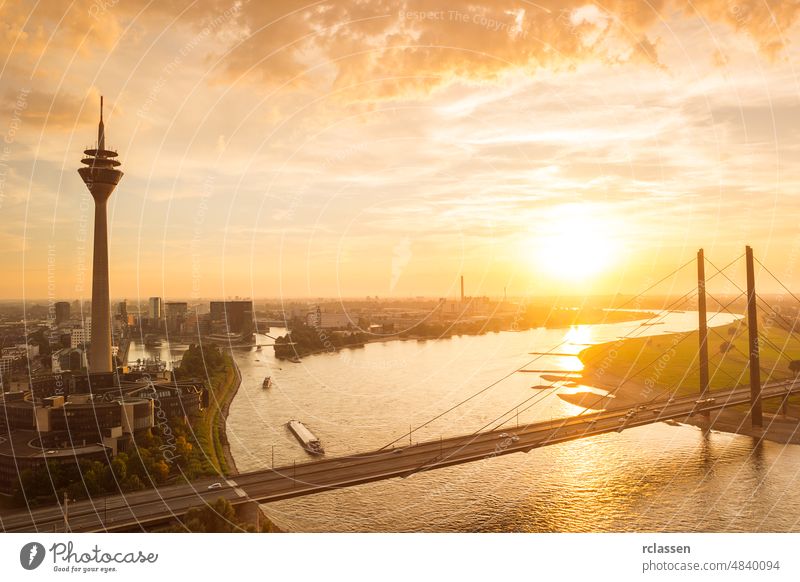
<point>60,111</point>
<point>381,49</point>
<point>646,51</point>
<point>30,32</point>
<point>385,49</point>
<point>766,21</point>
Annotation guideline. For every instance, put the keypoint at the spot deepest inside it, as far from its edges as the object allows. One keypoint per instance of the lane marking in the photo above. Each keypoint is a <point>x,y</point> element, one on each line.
<point>235,486</point>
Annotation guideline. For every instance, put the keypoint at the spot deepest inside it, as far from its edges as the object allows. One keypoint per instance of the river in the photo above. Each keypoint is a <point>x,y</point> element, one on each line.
<point>653,478</point>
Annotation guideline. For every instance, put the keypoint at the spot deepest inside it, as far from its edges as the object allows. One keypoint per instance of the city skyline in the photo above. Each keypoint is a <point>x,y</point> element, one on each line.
<point>638,138</point>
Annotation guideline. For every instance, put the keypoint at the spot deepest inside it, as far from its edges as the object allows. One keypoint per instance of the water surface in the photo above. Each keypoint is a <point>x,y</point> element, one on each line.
<point>651,478</point>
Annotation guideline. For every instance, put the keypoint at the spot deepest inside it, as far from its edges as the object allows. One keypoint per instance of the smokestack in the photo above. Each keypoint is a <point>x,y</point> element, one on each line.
<point>462,288</point>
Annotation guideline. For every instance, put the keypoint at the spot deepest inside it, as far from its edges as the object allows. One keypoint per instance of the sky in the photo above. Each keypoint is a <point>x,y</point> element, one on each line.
<point>352,148</point>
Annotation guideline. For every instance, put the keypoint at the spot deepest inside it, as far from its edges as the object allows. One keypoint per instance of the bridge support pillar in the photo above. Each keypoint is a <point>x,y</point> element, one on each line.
<point>703,323</point>
<point>752,329</point>
<point>250,513</point>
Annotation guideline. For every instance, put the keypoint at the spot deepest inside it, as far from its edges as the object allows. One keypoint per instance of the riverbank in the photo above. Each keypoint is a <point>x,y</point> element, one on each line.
<point>210,428</point>
<point>264,522</point>
<point>222,420</point>
<point>636,370</point>
<point>305,340</point>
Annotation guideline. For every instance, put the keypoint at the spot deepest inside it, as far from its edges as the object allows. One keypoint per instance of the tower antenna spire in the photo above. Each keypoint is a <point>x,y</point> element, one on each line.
<point>101,131</point>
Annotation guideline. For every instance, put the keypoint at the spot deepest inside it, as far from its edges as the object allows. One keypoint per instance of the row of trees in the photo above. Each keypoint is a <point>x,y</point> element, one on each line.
<point>216,517</point>
<point>145,464</point>
<point>200,361</point>
<point>304,340</point>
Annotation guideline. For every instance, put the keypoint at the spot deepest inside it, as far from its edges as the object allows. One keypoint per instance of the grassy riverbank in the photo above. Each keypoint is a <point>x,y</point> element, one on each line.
<point>209,428</point>
<point>641,369</point>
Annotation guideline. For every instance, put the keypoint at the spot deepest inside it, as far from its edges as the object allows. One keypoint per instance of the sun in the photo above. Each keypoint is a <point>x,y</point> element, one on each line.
<point>574,243</point>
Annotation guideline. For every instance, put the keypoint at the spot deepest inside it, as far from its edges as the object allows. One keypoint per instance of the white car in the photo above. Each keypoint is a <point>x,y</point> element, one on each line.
<point>503,435</point>
<point>215,486</point>
<point>514,438</point>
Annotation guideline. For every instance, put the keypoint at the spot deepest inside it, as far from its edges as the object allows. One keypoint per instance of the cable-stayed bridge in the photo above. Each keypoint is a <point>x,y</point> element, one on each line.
<point>502,436</point>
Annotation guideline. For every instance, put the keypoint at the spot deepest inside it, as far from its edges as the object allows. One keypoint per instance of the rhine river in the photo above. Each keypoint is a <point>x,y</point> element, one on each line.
<point>653,478</point>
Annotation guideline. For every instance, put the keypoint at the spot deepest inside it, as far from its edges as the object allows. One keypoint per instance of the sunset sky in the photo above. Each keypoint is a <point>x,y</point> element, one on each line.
<point>366,148</point>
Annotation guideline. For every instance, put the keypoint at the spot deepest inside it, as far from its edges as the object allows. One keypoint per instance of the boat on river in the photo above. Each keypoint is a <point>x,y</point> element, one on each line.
<point>305,437</point>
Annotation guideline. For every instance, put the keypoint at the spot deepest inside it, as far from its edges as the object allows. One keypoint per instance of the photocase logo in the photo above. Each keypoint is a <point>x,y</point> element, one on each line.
<point>31,555</point>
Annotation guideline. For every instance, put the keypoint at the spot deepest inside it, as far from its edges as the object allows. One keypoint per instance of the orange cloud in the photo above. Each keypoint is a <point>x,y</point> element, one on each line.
<point>383,48</point>
<point>395,48</point>
<point>62,111</point>
<point>33,31</point>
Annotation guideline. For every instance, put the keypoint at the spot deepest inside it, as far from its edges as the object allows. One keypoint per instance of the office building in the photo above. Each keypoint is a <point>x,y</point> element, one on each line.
<point>175,313</point>
<point>62,311</point>
<point>232,317</point>
<point>154,311</point>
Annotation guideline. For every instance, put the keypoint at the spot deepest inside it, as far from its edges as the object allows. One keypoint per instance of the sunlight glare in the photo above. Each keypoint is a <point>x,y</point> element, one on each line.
<point>574,243</point>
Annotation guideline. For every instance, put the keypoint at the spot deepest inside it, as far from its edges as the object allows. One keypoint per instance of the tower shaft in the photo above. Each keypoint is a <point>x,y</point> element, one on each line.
<point>100,346</point>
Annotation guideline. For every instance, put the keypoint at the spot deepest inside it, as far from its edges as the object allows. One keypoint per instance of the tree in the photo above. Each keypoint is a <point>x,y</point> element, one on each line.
<point>218,517</point>
<point>160,471</point>
<point>200,362</point>
<point>119,467</point>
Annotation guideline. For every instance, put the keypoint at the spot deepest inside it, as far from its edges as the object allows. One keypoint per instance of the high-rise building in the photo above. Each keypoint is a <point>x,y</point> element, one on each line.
<point>80,336</point>
<point>101,176</point>
<point>175,308</point>
<point>155,313</point>
<point>62,311</point>
<point>122,310</point>
<point>175,314</point>
<point>232,316</point>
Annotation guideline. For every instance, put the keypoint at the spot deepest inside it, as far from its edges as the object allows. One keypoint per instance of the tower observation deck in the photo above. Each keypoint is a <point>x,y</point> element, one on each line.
<point>101,176</point>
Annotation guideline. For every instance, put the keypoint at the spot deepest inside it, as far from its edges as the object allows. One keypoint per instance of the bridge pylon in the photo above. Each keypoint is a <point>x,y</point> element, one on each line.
<point>752,329</point>
<point>703,323</point>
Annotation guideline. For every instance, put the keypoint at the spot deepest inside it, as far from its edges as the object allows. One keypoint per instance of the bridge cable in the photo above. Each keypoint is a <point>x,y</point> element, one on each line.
<point>763,301</point>
<point>539,356</point>
<point>546,393</point>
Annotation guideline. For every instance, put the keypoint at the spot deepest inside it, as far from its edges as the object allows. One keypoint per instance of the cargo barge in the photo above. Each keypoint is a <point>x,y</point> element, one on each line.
<point>305,437</point>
